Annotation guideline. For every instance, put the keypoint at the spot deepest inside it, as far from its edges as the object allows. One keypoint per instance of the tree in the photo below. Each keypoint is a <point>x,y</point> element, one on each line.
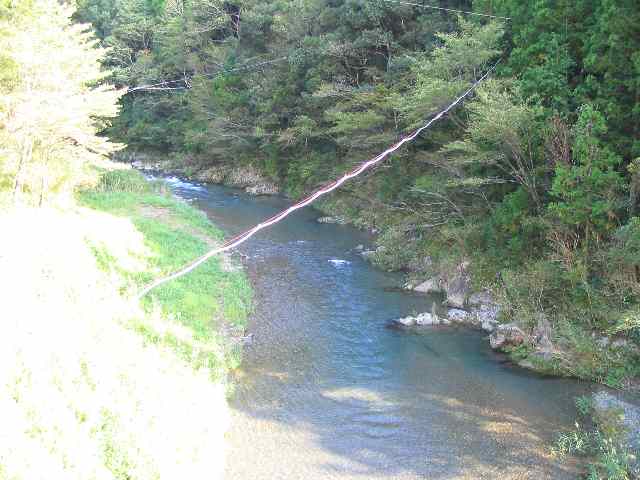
<point>588,190</point>
<point>48,126</point>
<point>502,142</point>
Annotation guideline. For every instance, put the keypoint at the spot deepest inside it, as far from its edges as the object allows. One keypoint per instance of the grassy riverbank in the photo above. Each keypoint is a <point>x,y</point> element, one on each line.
<point>95,383</point>
<point>214,298</point>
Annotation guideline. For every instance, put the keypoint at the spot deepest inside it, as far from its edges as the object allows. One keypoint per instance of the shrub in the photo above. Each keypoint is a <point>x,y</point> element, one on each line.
<point>129,181</point>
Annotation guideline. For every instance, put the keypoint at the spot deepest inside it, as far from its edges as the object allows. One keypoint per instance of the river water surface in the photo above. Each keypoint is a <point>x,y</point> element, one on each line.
<point>328,392</point>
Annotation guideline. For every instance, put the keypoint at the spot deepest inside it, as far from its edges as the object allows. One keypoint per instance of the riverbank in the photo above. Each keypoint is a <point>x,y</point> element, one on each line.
<point>549,340</point>
<point>95,383</point>
<point>477,292</point>
<point>471,301</point>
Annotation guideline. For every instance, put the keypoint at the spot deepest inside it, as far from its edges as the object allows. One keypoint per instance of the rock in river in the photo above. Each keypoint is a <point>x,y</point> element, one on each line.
<point>425,319</point>
<point>507,335</point>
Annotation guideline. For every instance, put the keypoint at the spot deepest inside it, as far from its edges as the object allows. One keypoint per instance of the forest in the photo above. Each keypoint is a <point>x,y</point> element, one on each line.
<point>536,180</point>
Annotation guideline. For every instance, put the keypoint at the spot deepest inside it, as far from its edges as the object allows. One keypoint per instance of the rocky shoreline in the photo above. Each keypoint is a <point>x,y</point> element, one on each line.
<point>463,307</point>
<point>479,310</point>
<point>246,177</point>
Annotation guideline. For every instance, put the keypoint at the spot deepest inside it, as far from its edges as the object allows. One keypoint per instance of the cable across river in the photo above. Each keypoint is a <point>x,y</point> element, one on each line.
<point>246,235</point>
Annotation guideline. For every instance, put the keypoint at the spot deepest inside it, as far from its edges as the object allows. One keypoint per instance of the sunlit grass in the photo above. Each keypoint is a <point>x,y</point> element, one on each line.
<point>176,233</point>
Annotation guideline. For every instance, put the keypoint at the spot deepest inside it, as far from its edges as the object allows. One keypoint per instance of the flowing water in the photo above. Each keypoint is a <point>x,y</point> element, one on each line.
<point>327,391</point>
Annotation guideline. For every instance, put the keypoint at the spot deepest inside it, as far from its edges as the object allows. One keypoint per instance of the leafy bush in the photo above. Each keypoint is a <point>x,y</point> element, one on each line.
<point>598,437</point>
<point>513,231</point>
<point>129,181</point>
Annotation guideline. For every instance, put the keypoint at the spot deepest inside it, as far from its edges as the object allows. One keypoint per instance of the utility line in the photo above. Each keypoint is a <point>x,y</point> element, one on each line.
<point>433,7</point>
<point>165,85</point>
<point>243,237</point>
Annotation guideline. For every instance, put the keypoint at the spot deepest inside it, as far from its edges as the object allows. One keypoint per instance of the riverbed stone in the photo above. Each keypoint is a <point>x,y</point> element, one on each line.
<point>405,321</point>
<point>458,315</point>
<point>334,220</point>
<point>507,335</point>
<point>425,319</point>
<point>432,285</point>
<point>481,298</point>
<point>262,189</point>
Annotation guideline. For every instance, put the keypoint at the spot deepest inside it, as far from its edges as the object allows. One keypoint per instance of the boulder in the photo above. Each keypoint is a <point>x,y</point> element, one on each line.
<point>429,319</point>
<point>459,316</point>
<point>425,319</point>
<point>262,189</point>
<point>480,298</point>
<point>507,335</point>
<point>405,322</point>
<point>458,286</point>
<point>486,316</point>
<point>334,220</point>
<point>541,336</point>
<point>433,285</point>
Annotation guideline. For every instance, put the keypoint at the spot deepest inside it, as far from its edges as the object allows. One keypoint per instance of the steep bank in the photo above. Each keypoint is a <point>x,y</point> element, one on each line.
<point>96,385</point>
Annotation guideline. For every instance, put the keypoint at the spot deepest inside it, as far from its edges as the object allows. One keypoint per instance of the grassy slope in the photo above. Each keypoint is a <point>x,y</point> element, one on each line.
<point>213,298</point>
<point>83,394</point>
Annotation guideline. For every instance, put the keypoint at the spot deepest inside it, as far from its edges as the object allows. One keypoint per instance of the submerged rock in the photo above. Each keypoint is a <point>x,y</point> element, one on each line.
<point>405,322</point>
<point>425,319</point>
<point>507,335</point>
<point>262,189</point>
<point>333,220</point>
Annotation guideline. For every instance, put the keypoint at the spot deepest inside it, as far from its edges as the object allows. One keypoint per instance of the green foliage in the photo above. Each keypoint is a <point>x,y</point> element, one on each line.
<point>129,181</point>
<point>598,437</point>
<point>526,179</point>
<point>176,233</point>
<point>588,191</point>
<point>49,69</point>
<point>513,232</point>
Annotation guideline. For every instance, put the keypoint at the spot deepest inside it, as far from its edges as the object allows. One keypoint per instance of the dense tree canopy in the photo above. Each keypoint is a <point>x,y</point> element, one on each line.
<point>540,169</point>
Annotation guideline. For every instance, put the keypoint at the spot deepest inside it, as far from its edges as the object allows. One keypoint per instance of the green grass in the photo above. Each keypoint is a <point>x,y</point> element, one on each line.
<point>175,234</point>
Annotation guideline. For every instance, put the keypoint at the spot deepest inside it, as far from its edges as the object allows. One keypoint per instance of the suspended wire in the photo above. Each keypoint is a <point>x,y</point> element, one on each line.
<point>165,85</point>
<point>246,235</point>
<point>433,7</point>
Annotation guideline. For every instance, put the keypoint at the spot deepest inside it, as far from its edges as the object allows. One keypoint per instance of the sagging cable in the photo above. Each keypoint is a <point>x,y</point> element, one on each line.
<point>246,235</point>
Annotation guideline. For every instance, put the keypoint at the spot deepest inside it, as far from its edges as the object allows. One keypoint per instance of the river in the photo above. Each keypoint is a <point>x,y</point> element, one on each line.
<point>327,391</point>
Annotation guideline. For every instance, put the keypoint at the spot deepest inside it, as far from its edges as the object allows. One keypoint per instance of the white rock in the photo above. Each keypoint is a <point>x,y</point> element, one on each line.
<point>430,286</point>
<point>458,315</point>
<point>406,321</point>
<point>507,335</point>
<point>425,319</point>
